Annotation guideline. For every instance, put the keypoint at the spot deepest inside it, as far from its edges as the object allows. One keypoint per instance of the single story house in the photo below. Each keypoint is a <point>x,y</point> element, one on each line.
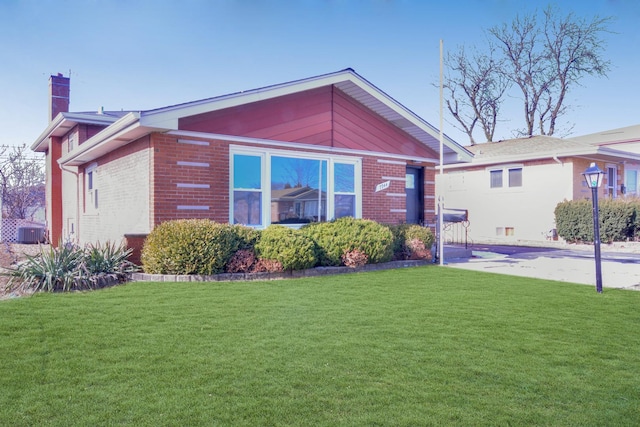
<point>626,173</point>
<point>353,149</point>
<point>511,188</point>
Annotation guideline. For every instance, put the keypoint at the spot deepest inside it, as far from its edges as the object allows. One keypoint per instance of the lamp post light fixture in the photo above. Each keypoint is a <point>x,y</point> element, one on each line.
<point>593,175</point>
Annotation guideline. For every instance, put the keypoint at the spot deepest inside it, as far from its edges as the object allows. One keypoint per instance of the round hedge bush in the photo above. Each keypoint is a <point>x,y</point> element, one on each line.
<point>290,247</point>
<point>193,246</point>
<point>336,238</point>
<point>411,241</point>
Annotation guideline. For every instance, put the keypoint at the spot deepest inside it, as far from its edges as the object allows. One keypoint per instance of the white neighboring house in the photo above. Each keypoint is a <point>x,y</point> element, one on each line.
<point>511,188</point>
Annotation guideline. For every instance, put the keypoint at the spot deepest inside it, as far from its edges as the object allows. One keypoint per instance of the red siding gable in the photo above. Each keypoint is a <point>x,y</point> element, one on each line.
<point>324,116</point>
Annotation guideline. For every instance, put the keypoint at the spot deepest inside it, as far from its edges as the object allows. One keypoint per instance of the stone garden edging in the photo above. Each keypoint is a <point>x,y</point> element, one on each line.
<point>312,272</point>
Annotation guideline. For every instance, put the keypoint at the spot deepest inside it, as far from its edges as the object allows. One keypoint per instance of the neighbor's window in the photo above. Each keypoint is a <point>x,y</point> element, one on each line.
<point>283,187</point>
<point>496,178</point>
<point>515,177</point>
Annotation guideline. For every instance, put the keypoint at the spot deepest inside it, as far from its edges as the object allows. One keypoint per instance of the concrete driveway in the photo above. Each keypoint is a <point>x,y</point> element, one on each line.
<point>567,263</point>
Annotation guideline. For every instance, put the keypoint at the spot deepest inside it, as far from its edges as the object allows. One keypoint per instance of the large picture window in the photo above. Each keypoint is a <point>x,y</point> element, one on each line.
<point>289,188</point>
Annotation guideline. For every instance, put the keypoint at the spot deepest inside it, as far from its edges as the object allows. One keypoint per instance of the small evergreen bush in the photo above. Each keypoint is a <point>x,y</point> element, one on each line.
<point>193,246</point>
<point>335,238</point>
<point>618,220</point>
<point>574,220</point>
<point>291,248</point>
<point>411,241</point>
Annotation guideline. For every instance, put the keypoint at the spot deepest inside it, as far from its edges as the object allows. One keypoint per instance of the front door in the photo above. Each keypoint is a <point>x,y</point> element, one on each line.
<point>415,197</point>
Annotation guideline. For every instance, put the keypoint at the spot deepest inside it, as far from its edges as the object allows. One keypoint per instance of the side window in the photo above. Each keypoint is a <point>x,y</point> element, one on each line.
<point>91,188</point>
<point>515,177</point>
<point>247,189</point>
<point>344,190</point>
<point>496,178</point>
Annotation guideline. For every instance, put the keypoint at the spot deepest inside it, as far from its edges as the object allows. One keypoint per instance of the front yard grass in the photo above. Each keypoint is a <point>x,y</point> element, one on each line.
<point>419,346</point>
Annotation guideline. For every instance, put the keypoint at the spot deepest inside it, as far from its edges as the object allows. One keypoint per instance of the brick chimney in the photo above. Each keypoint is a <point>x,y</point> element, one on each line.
<point>59,89</point>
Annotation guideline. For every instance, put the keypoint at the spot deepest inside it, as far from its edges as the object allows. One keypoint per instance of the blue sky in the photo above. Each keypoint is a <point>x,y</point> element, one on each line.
<point>144,54</point>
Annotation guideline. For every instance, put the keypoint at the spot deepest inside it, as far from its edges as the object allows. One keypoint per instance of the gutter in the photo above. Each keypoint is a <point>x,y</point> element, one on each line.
<point>587,151</point>
<point>72,119</point>
<point>120,127</point>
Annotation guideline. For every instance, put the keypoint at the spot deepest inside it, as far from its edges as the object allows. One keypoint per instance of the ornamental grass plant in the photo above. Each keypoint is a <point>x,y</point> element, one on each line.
<point>69,267</point>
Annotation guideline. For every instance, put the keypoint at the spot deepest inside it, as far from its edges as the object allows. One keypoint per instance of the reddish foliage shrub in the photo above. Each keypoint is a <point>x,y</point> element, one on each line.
<point>354,258</point>
<point>267,266</point>
<point>417,250</point>
<point>241,262</point>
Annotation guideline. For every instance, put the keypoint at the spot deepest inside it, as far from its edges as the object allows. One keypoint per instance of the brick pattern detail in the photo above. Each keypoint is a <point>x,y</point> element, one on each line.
<point>210,184</point>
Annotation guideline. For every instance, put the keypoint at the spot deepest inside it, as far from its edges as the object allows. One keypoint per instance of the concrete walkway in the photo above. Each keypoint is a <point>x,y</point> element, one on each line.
<point>620,265</point>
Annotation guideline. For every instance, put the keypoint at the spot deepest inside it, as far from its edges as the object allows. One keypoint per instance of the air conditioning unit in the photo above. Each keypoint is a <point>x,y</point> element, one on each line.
<point>30,235</point>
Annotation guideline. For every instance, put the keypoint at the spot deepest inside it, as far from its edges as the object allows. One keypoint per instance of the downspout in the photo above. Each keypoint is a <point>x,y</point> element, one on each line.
<point>557,160</point>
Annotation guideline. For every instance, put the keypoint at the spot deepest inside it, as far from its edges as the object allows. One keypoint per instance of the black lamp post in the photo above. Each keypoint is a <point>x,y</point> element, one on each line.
<point>593,175</point>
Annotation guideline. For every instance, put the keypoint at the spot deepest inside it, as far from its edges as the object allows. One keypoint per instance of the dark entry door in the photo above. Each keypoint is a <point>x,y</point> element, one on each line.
<point>415,197</point>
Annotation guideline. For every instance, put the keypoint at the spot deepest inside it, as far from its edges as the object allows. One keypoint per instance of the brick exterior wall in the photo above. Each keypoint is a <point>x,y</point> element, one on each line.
<point>122,181</point>
<point>191,180</point>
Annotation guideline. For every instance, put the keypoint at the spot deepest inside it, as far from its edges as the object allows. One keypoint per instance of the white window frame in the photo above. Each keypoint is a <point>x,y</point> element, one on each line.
<point>631,192</point>
<point>493,172</point>
<point>612,187</point>
<point>505,174</point>
<point>509,176</point>
<point>267,153</point>
<point>91,203</point>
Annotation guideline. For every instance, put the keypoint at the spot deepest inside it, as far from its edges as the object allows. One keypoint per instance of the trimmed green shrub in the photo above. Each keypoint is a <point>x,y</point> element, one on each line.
<point>618,220</point>
<point>193,246</point>
<point>635,220</point>
<point>338,237</point>
<point>290,247</point>
<point>411,241</point>
<point>574,220</point>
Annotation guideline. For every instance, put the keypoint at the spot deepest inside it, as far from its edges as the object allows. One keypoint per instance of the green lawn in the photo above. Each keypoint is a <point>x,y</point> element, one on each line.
<point>419,346</point>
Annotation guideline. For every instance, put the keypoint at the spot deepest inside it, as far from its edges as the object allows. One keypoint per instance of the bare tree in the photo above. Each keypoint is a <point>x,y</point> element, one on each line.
<point>482,84</point>
<point>22,182</point>
<point>541,62</point>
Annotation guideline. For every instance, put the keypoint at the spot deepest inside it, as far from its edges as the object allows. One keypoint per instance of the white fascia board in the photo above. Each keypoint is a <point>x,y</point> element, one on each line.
<point>41,143</point>
<point>119,128</point>
<point>463,154</point>
<point>586,151</point>
<point>168,117</point>
<point>65,121</point>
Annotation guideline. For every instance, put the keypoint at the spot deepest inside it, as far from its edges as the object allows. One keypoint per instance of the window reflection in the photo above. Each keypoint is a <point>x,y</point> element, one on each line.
<point>247,207</point>
<point>298,190</point>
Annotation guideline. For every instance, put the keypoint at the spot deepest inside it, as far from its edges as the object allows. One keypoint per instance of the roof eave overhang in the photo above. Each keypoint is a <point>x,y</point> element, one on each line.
<point>63,123</point>
<point>346,80</point>
<point>118,134</point>
<point>591,152</point>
